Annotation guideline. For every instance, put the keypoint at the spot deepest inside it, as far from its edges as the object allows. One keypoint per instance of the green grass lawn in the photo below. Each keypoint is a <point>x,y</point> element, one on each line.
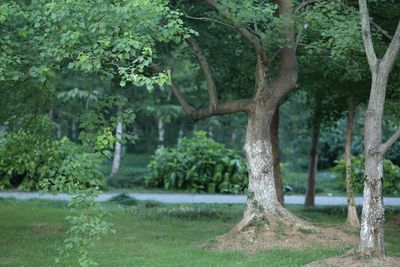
<point>152,234</point>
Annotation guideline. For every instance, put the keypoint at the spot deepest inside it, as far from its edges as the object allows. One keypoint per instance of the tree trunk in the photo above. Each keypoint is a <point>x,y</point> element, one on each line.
<point>352,217</point>
<point>73,129</point>
<point>161,132</point>
<point>117,150</point>
<point>58,131</point>
<point>373,218</point>
<point>262,205</point>
<point>275,156</point>
<point>313,166</point>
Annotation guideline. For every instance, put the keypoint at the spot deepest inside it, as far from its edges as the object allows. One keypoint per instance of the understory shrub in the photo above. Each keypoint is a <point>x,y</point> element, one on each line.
<point>26,159</point>
<point>391,175</point>
<point>198,164</point>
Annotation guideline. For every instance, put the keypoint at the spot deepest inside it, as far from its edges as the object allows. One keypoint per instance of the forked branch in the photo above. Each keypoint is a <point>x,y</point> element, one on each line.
<point>261,67</point>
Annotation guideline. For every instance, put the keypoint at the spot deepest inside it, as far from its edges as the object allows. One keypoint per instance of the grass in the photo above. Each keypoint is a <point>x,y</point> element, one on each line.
<point>152,234</point>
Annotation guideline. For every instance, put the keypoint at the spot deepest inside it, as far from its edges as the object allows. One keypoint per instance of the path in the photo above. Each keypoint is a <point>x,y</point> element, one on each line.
<point>198,198</point>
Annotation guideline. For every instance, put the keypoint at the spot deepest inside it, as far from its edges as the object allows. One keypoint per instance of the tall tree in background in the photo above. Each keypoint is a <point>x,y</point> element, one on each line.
<point>352,217</point>
<point>372,219</point>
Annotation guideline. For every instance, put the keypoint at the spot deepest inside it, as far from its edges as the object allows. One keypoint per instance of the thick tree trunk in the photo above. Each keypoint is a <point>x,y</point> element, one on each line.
<point>373,218</point>
<point>352,217</point>
<point>313,166</point>
<point>161,132</point>
<point>275,156</point>
<point>117,150</point>
<point>262,204</point>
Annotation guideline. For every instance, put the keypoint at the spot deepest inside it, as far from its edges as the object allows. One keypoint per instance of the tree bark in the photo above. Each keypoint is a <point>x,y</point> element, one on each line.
<point>352,217</point>
<point>276,157</point>
<point>117,150</point>
<point>313,166</point>
<point>262,203</point>
<point>373,218</point>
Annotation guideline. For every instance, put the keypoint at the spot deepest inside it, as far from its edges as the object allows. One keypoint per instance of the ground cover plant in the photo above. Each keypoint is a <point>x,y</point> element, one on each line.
<point>154,234</point>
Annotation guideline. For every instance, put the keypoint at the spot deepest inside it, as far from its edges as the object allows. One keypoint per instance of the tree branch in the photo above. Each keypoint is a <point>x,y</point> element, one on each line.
<point>261,67</point>
<point>221,109</point>
<point>182,101</point>
<point>304,4</point>
<point>287,77</point>
<point>385,147</point>
<point>393,51</point>
<point>212,91</point>
<point>379,28</point>
<point>366,34</point>
<point>210,19</point>
<point>242,105</point>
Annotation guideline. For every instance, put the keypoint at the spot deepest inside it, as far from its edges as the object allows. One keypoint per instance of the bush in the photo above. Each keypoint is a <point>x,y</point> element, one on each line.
<point>26,159</point>
<point>391,174</point>
<point>198,164</point>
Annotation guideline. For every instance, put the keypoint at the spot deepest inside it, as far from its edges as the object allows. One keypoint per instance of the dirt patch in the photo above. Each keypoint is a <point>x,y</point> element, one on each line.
<point>43,229</point>
<point>263,237</point>
<point>350,260</point>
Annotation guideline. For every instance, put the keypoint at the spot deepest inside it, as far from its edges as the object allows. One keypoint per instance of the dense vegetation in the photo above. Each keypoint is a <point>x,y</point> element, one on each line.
<point>198,164</point>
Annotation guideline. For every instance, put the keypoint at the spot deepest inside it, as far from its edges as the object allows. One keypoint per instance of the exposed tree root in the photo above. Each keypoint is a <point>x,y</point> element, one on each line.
<point>283,229</point>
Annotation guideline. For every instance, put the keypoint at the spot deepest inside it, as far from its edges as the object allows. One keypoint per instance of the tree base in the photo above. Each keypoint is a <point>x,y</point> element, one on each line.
<point>282,230</point>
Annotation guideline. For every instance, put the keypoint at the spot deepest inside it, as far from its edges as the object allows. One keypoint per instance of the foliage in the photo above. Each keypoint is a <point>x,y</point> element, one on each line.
<point>391,175</point>
<point>87,224</point>
<point>198,164</point>
<point>27,159</point>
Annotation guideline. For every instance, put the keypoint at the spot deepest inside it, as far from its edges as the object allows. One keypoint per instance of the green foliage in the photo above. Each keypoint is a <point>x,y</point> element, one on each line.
<point>198,164</point>
<point>391,175</point>
<point>87,224</point>
<point>28,159</point>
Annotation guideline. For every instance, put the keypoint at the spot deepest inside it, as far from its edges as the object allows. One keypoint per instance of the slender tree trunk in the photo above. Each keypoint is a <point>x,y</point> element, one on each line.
<point>352,217</point>
<point>117,150</point>
<point>58,131</point>
<point>313,166</point>
<point>73,129</point>
<point>180,133</point>
<point>275,156</point>
<point>161,131</point>
<point>373,217</point>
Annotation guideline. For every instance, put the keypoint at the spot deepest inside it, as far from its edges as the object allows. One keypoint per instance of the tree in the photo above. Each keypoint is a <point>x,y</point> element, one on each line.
<point>372,219</point>
<point>352,217</point>
<point>262,202</point>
